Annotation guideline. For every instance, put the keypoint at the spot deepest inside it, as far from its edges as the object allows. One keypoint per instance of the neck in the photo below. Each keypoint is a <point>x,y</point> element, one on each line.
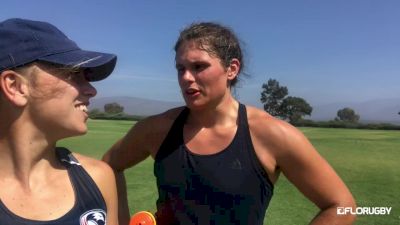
<point>223,113</point>
<point>24,152</point>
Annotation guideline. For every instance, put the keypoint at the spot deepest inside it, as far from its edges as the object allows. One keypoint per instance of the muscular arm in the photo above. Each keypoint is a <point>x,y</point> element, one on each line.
<point>141,141</point>
<point>123,206</point>
<point>294,155</point>
<point>315,178</point>
<point>122,156</point>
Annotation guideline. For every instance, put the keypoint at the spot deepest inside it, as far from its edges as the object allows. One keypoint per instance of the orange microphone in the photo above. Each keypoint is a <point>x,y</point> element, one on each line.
<point>143,218</point>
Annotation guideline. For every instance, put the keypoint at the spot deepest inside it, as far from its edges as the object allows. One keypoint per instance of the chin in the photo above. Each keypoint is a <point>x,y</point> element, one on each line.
<point>78,131</point>
<point>199,108</point>
<point>194,105</point>
<point>82,131</point>
<point>201,104</point>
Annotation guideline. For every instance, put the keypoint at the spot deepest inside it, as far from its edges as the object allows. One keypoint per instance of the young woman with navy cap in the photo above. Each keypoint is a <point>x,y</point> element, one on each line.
<point>216,160</point>
<point>45,91</point>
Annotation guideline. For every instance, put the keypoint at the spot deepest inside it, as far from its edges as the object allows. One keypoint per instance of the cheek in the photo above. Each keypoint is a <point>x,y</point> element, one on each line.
<point>217,80</point>
<point>49,90</point>
<point>180,81</point>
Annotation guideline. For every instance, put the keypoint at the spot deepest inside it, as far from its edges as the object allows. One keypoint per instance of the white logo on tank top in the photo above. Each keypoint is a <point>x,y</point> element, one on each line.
<point>93,217</point>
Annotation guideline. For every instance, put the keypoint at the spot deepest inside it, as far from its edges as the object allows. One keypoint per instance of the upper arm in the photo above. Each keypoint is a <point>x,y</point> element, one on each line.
<point>142,140</point>
<point>310,172</point>
<point>291,153</point>
<point>131,149</point>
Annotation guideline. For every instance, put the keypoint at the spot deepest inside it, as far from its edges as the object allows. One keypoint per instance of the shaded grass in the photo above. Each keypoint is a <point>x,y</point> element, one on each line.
<point>367,161</point>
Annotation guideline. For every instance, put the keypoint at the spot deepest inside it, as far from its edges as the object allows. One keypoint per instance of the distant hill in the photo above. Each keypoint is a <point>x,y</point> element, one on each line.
<point>380,110</point>
<point>135,106</point>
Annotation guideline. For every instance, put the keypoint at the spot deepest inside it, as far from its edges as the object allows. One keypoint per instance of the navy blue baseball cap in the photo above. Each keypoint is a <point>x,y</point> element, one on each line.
<point>24,41</point>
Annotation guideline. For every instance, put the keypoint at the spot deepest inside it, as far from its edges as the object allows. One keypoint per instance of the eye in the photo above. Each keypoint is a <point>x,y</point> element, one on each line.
<point>180,70</point>
<point>75,77</point>
<point>67,76</point>
<point>198,67</point>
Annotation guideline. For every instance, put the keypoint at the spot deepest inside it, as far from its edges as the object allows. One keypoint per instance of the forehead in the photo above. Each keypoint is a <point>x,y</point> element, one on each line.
<point>191,51</point>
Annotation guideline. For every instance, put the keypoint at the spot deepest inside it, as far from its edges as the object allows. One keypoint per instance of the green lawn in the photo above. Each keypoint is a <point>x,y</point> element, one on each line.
<point>367,160</point>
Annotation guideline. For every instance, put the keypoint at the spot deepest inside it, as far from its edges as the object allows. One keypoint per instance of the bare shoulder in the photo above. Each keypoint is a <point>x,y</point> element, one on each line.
<point>262,123</point>
<point>275,133</point>
<point>160,122</point>
<point>282,147</point>
<point>149,133</point>
<point>97,169</point>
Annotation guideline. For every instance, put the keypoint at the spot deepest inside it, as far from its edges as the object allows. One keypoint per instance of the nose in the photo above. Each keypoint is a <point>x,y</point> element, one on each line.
<point>187,76</point>
<point>89,90</point>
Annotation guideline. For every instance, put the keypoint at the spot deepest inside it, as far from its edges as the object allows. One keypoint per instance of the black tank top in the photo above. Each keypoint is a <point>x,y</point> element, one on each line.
<point>89,207</point>
<point>229,187</point>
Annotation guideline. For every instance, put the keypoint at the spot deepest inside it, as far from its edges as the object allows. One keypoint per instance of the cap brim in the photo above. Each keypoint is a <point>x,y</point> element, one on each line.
<point>100,65</point>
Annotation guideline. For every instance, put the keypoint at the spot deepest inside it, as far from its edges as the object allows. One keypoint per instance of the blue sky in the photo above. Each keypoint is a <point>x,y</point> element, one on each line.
<point>323,51</point>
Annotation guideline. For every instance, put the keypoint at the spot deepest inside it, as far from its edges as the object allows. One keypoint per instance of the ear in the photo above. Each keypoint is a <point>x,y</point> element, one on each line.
<point>14,87</point>
<point>233,69</point>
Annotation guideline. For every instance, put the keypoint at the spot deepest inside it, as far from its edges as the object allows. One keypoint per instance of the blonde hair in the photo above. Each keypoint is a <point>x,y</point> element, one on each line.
<point>30,73</point>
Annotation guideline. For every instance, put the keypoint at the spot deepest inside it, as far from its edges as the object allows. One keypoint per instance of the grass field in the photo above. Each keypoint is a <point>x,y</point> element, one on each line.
<point>367,160</point>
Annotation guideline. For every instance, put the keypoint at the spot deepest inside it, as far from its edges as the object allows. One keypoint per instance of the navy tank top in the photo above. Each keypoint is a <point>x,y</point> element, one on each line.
<point>89,207</point>
<point>229,187</point>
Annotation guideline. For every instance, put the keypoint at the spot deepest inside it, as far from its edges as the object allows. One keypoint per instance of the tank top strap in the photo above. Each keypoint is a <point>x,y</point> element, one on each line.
<point>65,157</point>
<point>242,117</point>
<point>174,137</point>
<point>86,190</point>
<point>243,125</point>
<point>181,119</point>
<point>245,132</point>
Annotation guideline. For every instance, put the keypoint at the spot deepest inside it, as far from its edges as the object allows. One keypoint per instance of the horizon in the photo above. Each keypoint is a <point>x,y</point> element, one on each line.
<point>373,111</point>
<point>324,52</point>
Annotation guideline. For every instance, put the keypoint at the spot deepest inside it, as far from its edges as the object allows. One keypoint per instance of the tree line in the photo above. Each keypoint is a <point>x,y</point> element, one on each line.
<point>276,102</point>
<point>112,111</point>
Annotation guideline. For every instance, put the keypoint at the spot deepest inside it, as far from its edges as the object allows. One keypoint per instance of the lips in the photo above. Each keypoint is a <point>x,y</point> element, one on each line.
<point>82,107</point>
<point>192,91</point>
